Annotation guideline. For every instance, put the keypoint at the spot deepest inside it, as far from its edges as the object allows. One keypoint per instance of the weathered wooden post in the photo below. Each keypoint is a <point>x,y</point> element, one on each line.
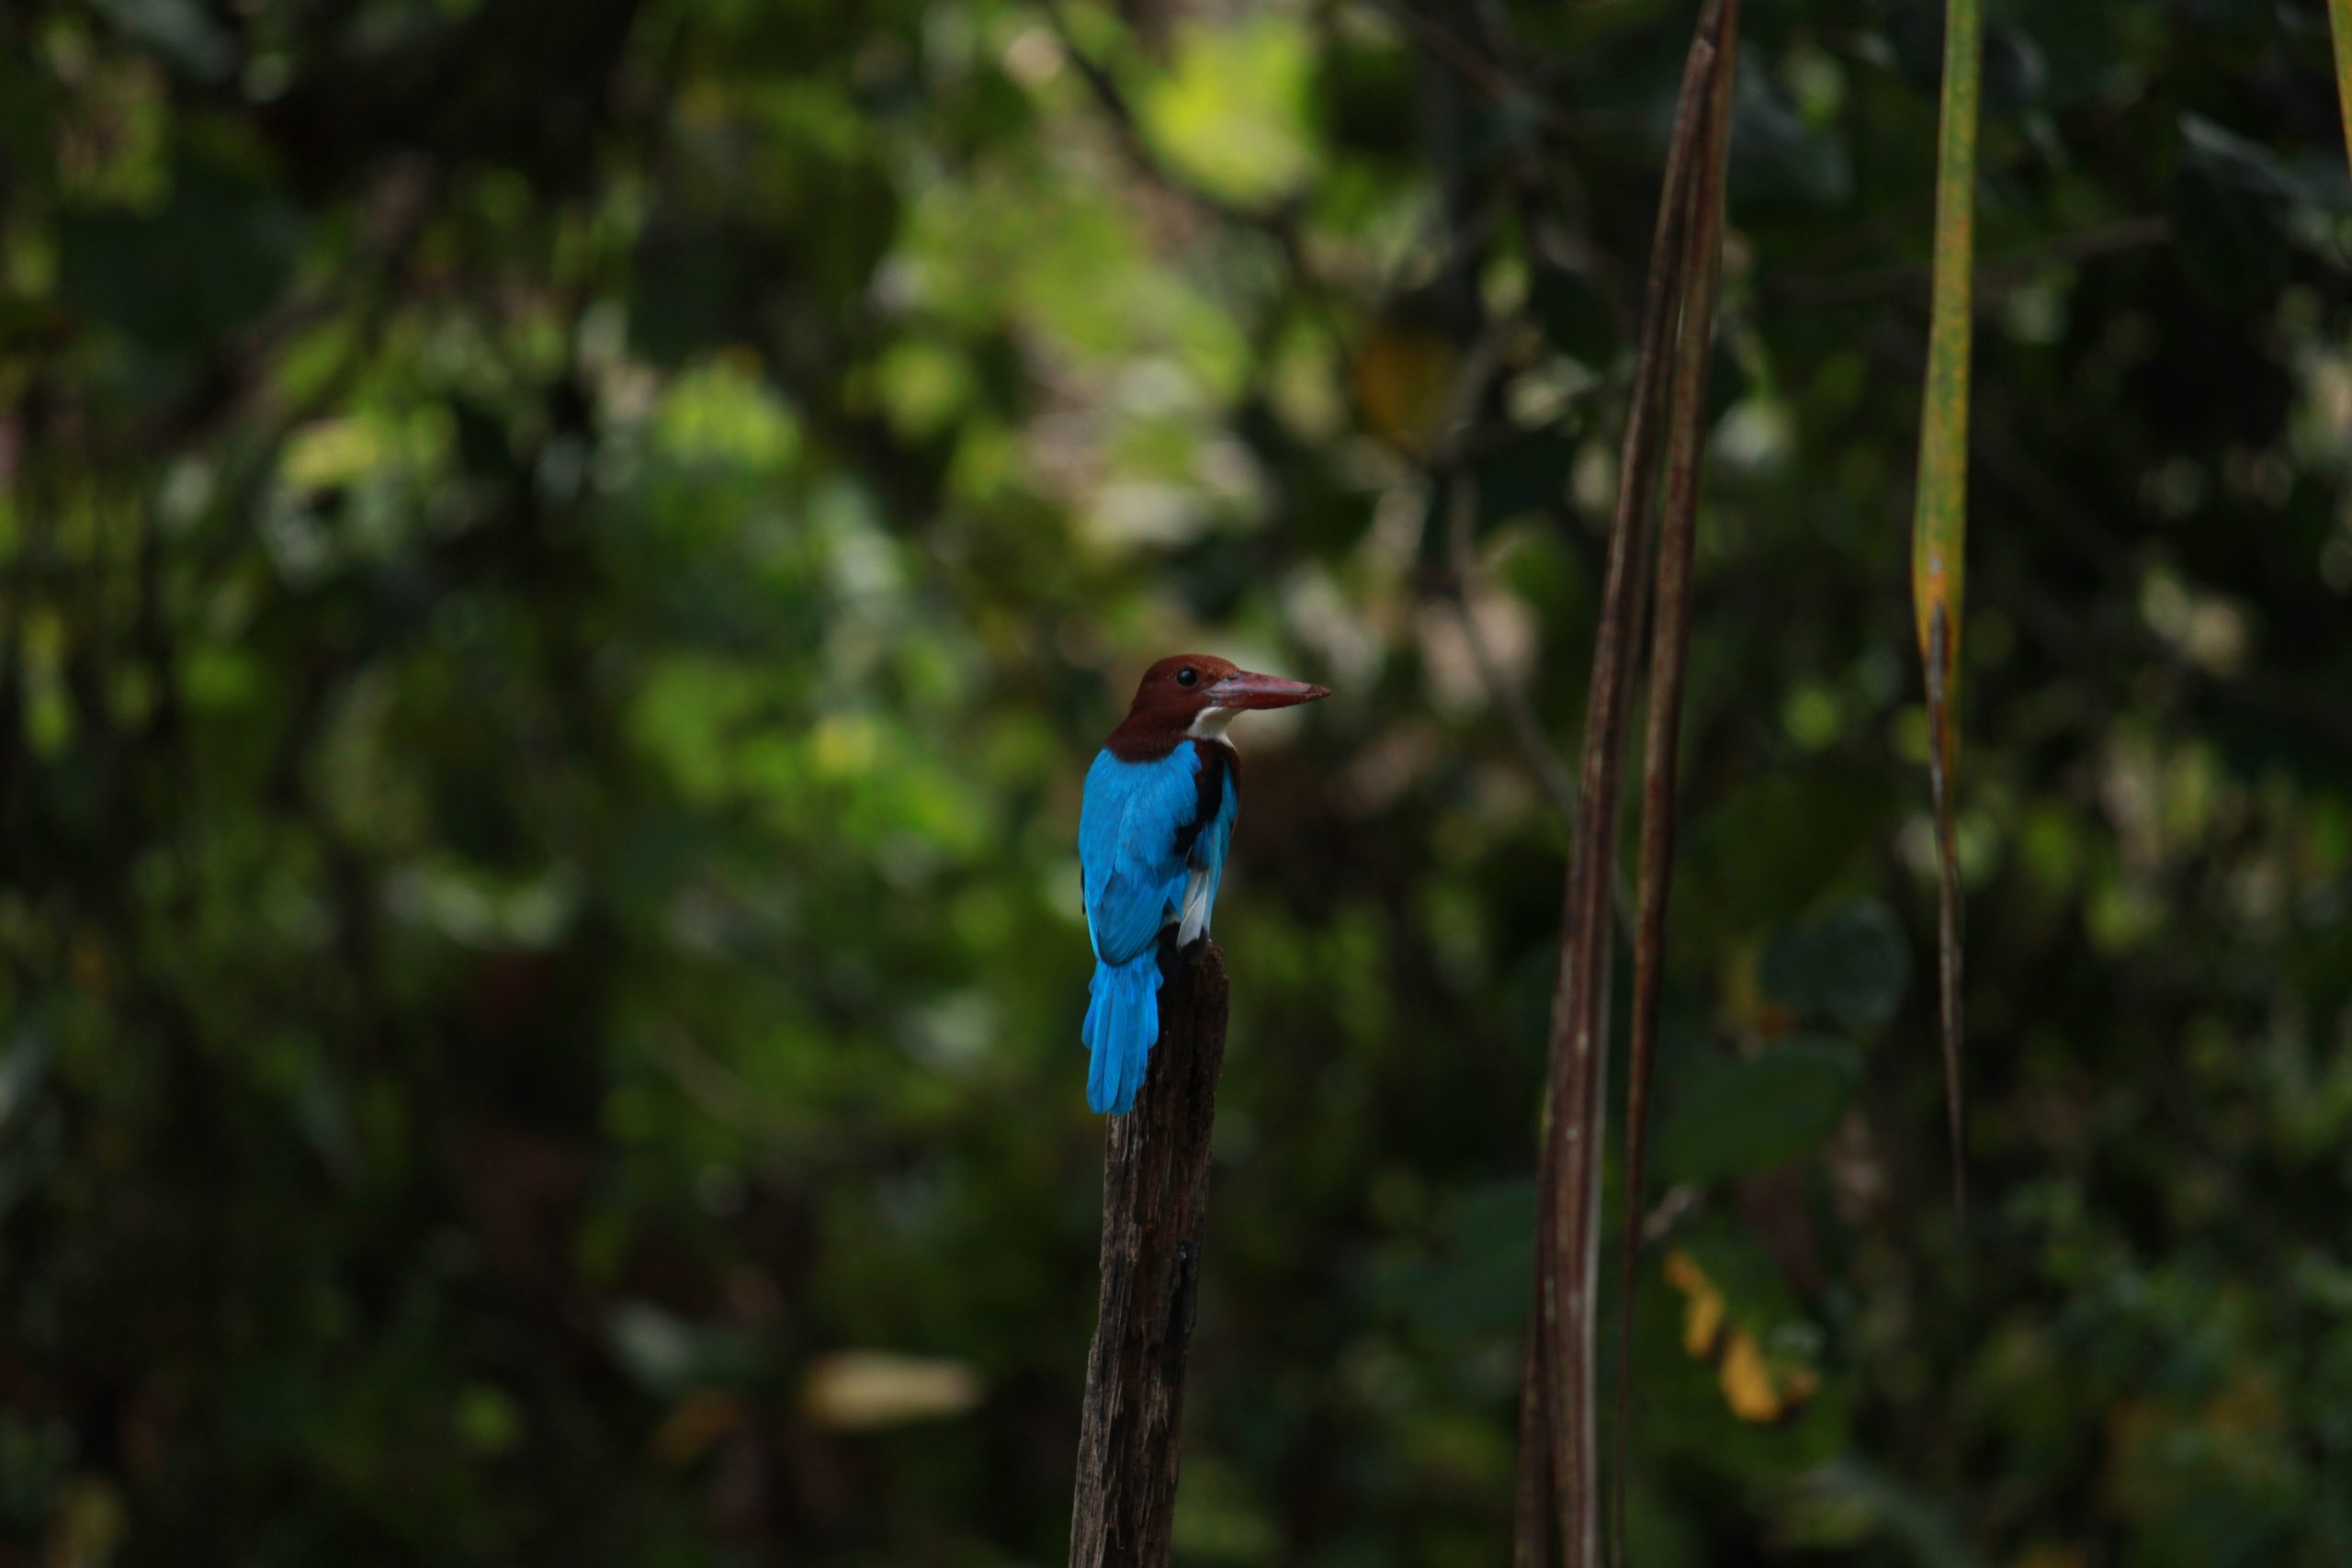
<point>1155,1193</point>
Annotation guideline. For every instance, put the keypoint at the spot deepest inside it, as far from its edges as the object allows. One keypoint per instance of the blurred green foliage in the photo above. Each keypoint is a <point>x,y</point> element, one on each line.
<point>561,566</point>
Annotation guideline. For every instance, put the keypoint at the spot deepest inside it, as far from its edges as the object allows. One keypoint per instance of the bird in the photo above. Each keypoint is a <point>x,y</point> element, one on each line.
<point>1152,835</point>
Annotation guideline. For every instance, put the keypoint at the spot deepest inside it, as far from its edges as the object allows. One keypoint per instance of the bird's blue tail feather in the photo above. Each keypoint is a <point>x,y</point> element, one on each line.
<point>1121,1022</point>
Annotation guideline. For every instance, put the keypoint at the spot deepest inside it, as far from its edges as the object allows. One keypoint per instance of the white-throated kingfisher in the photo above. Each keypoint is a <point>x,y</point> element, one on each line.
<point>1161,800</point>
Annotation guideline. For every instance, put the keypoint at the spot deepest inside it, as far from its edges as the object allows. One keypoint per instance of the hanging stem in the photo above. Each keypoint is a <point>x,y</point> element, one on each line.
<point>1699,280</point>
<point>1560,1395</point>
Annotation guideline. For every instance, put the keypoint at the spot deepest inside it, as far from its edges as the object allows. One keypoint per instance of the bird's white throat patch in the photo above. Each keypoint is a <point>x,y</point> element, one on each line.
<point>1209,724</point>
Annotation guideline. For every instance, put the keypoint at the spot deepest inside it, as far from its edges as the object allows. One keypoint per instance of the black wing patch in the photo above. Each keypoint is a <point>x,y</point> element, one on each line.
<point>1219,761</point>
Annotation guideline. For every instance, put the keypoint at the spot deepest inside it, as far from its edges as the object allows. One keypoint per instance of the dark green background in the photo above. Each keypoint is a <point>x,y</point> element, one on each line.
<point>560,567</point>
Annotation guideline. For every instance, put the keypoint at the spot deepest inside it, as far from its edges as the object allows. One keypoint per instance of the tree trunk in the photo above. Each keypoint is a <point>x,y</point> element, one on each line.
<point>1155,1190</point>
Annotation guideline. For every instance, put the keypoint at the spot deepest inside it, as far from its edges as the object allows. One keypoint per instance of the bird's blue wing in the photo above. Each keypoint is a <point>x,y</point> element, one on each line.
<point>1127,858</point>
<point>1206,863</point>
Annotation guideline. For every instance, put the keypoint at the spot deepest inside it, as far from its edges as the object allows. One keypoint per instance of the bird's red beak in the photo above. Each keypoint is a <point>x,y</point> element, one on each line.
<point>1243,690</point>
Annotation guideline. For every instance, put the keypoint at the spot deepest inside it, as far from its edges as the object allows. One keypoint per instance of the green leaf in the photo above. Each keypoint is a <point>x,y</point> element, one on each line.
<point>1762,856</point>
<point>1475,1285</point>
<point>1754,1112</point>
<point>1232,115</point>
<point>1851,968</point>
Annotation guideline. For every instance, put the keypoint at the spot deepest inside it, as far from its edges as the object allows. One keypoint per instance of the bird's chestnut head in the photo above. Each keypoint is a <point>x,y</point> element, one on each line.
<point>1198,694</point>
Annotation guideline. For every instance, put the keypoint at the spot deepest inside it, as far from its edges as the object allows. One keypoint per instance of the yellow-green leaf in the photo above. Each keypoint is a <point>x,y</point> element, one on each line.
<point>2339,22</point>
<point>1940,526</point>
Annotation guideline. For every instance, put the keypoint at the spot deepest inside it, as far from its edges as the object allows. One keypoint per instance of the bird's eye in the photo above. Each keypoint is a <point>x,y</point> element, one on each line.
<point>1188,676</point>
